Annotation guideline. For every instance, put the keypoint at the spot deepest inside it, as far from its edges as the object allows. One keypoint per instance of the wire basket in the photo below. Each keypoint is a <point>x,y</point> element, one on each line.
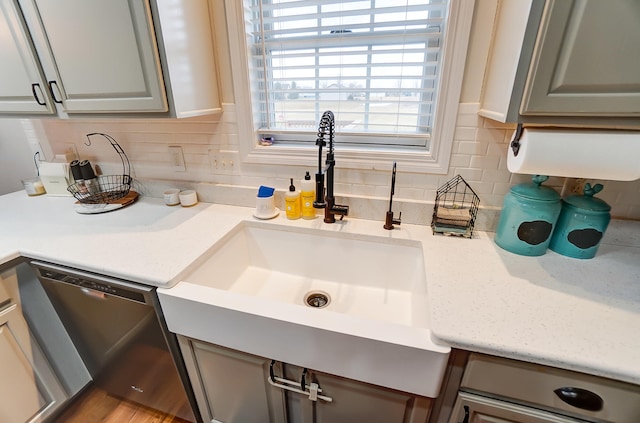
<point>456,208</point>
<point>104,188</point>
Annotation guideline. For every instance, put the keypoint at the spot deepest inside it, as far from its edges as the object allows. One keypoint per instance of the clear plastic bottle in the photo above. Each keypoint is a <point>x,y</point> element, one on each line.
<point>308,196</point>
<point>292,202</point>
<point>89,177</point>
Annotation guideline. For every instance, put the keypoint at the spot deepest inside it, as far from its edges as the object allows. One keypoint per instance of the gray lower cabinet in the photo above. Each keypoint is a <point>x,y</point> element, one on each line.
<point>230,386</point>
<point>29,390</point>
<point>235,387</point>
<point>499,390</point>
<point>353,401</point>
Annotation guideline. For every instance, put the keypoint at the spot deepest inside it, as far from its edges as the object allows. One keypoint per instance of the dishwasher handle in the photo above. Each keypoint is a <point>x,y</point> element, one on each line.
<point>94,294</point>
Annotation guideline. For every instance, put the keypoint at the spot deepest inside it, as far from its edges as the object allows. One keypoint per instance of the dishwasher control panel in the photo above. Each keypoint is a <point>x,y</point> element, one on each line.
<point>90,283</point>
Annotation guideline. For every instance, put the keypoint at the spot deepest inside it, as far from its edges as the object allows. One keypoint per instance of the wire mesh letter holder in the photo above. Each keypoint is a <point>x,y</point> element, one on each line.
<point>456,208</point>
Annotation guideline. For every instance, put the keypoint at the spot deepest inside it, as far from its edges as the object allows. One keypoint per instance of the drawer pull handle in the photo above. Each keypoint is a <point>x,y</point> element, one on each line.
<point>580,398</point>
<point>466,414</point>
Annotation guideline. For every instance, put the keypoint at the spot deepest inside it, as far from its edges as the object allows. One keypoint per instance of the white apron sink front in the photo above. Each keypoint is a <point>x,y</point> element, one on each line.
<point>248,293</point>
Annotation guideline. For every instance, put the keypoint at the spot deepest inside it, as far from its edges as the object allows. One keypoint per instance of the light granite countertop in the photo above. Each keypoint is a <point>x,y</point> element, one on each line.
<point>575,314</point>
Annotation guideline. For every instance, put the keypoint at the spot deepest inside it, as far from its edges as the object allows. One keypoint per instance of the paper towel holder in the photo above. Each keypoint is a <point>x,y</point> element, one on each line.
<point>515,143</point>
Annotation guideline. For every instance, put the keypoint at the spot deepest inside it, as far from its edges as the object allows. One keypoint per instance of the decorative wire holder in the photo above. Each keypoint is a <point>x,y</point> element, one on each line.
<point>109,187</point>
<point>456,208</point>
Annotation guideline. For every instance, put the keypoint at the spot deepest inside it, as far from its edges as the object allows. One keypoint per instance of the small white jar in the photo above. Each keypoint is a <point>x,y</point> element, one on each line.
<point>188,198</point>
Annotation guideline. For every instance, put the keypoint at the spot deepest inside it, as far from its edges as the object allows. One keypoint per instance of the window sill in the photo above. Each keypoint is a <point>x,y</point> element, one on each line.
<point>415,160</point>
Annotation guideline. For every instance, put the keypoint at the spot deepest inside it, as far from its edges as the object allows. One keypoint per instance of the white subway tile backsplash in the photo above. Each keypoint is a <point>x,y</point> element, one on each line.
<point>402,192</point>
<point>469,120</point>
<point>478,155</point>
<point>473,147</point>
<point>501,188</point>
<point>482,188</point>
<point>460,160</point>
<point>464,134</point>
<point>495,176</point>
<point>491,135</point>
<point>470,175</point>
<point>498,150</point>
<point>485,162</point>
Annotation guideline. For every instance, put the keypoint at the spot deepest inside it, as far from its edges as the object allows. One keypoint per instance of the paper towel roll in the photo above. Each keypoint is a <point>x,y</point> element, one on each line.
<point>590,154</point>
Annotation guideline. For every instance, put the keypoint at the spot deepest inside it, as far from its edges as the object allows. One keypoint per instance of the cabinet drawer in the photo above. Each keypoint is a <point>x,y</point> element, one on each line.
<point>536,384</point>
<point>486,410</point>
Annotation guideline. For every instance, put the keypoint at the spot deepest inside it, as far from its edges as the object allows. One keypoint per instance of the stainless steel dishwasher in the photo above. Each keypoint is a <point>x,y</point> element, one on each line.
<point>121,336</point>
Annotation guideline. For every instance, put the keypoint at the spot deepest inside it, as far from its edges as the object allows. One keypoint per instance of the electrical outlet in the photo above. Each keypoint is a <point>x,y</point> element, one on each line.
<point>177,158</point>
<point>223,161</point>
<point>573,186</point>
<point>71,152</point>
<point>578,186</point>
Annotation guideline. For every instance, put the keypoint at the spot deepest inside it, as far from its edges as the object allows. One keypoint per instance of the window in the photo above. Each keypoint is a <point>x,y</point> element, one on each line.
<point>380,65</point>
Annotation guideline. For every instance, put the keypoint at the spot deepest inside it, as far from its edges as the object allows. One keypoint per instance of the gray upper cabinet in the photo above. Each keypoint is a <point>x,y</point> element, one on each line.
<point>564,61</point>
<point>116,57</point>
<point>103,54</point>
<point>22,85</point>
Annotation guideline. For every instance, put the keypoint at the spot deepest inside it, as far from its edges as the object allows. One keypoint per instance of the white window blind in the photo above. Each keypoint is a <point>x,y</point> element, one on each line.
<point>374,63</point>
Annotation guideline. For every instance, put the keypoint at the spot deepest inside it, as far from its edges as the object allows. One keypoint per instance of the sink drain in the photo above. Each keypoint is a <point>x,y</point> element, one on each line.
<point>317,299</point>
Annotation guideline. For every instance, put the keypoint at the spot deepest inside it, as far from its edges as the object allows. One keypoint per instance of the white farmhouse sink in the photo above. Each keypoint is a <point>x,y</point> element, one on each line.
<point>249,293</point>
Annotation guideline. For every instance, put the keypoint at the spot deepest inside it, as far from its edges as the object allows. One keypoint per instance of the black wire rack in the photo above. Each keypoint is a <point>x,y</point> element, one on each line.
<point>106,188</point>
<point>456,208</point>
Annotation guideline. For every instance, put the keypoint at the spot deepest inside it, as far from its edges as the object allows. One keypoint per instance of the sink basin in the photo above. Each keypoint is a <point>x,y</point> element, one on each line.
<point>349,304</point>
<point>363,276</point>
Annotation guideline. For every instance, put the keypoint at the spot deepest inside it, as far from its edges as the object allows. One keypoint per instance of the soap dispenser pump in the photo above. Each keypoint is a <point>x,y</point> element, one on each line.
<point>307,197</point>
<point>292,202</point>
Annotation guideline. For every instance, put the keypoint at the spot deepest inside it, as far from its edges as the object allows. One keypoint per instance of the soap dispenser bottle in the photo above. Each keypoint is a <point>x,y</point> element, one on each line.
<point>292,202</point>
<point>308,196</point>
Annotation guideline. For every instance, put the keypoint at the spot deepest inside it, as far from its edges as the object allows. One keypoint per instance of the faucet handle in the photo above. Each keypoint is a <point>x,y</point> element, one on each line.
<point>332,209</point>
<point>389,220</point>
<point>340,210</point>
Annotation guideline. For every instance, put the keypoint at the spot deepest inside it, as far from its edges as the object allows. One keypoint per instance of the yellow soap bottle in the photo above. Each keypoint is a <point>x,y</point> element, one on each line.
<point>292,202</point>
<point>308,196</point>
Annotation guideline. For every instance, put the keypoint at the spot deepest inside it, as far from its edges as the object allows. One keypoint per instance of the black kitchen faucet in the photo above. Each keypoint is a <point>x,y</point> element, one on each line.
<point>327,128</point>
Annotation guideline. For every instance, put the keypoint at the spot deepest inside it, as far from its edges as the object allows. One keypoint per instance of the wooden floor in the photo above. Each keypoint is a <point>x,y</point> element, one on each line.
<point>96,406</point>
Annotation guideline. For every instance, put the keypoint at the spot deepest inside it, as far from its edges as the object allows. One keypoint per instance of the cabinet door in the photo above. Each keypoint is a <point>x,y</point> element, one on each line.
<point>354,401</point>
<point>101,56</point>
<point>22,88</point>
<point>231,386</point>
<point>29,390</point>
<point>586,60</point>
<point>471,408</point>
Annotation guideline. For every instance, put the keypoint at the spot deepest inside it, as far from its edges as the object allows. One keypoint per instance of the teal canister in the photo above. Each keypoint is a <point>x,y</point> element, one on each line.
<point>581,225</point>
<point>529,213</point>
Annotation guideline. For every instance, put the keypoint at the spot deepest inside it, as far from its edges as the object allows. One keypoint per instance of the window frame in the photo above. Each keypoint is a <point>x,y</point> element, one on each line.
<point>364,157</point>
